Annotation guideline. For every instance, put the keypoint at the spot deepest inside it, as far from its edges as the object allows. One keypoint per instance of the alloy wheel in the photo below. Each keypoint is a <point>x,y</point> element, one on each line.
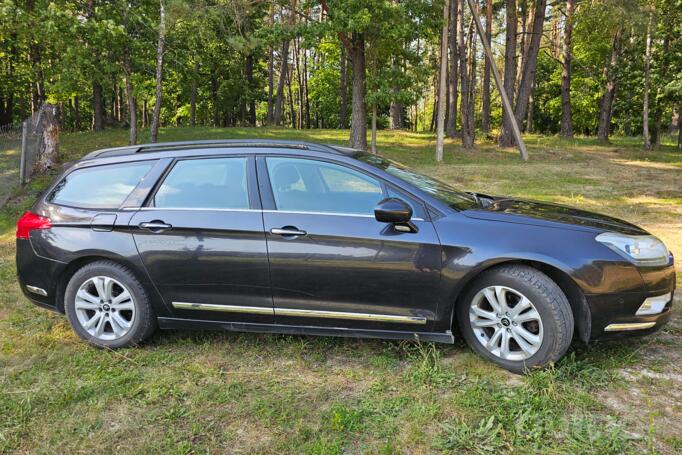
<point>105,308</point>
<point>506,323</point>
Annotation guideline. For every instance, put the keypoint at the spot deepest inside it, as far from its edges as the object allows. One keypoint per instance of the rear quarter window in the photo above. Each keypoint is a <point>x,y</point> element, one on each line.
<point>101,187</point>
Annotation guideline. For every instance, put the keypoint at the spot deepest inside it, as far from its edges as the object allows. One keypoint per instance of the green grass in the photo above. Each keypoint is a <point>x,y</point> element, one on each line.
<point>194,392</point>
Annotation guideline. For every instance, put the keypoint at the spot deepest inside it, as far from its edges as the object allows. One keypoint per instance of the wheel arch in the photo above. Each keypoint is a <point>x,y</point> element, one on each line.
<point>575,295</point>
<point>80,262</point>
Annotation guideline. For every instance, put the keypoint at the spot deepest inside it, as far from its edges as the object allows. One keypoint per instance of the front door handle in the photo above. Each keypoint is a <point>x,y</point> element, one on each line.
<point>155,226</point>
<point>287,230</point>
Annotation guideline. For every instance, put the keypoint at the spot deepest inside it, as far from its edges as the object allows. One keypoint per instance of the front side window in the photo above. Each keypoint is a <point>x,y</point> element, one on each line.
<point>100,187</point>
<point>304,185</point>
<point>208,183</point>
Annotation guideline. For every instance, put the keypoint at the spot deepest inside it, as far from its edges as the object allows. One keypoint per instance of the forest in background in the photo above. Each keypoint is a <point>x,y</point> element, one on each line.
<point>588,67</point>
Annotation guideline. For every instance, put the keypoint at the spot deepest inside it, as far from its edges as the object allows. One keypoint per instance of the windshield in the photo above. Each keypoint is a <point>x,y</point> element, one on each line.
<point>456,199</point>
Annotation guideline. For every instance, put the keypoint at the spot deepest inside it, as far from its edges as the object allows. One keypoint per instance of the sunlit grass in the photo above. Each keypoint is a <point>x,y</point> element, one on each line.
<point>225,392</point>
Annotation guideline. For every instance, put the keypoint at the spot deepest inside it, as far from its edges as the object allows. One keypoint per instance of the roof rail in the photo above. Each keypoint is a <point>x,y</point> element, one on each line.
<point>161,146</point>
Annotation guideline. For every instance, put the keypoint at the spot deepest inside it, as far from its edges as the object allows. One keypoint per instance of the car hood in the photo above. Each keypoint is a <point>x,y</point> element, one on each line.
<point>554,215</point>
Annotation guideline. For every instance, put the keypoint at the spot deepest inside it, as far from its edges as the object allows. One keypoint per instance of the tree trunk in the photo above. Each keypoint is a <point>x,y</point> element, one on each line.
<point>249,80</point>
<point>299,80</point>
<point>566,56</point>
<point>679,127</point>
<point>440,125</point>
<point>97,107</point>
<point>159,72</point>
<point>132,105</point>
<point>434,111</point>
<point>471,44</point>
<point>530,62</point>
<point>396,112</point>
<point>465,108</point>
<point>120,109</point>
<point>374,129</point>
<point>291,101</point>
<point>506,138</point>
<point>627,126</point>
<point>283,73</point>
<point>269,119</point>
<point>647,76</point>
<point>49,146</point>
<point>76,113</point>
<point>343,88</point>
<point>145,114</point>
<point>112,111</point>
<point>214,98</point>
<point>523,44</point>
<point>485,118</point>
<point>606,102</point>
<point>306,98</point>
<point>451,125</point>
<point>658,110</point>
<point>358,121</point>
<point>193,95</point>
<point>271,68</point>
<point>529,115</point>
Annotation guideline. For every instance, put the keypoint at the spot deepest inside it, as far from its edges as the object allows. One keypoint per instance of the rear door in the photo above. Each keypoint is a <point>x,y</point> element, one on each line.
<point>201,240</point>
<point>331,262</point>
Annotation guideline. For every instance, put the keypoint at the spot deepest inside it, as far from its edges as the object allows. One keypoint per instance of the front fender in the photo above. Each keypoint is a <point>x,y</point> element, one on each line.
<point>470,246</point>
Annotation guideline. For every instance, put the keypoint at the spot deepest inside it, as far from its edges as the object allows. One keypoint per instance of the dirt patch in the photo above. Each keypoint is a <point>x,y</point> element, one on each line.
<point>649,411</point>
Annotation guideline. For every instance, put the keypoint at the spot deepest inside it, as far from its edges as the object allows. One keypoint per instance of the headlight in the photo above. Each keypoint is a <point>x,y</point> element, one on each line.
<point>640,249</point>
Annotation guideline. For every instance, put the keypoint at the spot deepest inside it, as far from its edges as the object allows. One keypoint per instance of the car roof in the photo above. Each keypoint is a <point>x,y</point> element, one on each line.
<point>242,144</point>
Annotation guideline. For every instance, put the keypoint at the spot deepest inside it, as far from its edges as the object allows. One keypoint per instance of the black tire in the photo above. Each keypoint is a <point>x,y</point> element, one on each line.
<point>547,298</point>
<point>142,325</point>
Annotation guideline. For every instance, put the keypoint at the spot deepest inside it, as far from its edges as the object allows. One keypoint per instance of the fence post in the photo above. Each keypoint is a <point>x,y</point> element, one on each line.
<point>22,159</point>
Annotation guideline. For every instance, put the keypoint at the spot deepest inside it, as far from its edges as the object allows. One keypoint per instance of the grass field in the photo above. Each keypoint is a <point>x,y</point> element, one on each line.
<point>192,392</point>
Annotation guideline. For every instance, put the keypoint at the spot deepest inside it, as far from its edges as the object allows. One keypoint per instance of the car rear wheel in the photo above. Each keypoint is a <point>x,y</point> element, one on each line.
<point>108,307</point>
<point>517,317</point>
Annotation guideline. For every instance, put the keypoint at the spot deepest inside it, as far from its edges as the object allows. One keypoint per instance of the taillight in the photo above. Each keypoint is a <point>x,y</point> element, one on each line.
<point>30,221</point>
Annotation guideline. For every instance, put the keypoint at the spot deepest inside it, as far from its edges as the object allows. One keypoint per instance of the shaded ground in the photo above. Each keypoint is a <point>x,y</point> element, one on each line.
<point>10,154</point>
<point>244,393</point>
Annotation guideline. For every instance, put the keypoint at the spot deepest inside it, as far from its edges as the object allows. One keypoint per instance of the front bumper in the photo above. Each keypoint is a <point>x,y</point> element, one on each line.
<point>614,315</point>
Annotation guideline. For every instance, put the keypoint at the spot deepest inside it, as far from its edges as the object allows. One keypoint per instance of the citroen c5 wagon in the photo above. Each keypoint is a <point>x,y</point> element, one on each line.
<point>302,238</point>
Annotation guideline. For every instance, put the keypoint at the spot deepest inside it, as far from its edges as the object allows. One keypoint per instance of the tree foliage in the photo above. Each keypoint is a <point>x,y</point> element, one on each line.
<point>219,53</point>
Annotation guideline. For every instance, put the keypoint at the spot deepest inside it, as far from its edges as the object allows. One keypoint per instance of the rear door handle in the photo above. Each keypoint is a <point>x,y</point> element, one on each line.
<point>287,231</point>
<point>155,226</point>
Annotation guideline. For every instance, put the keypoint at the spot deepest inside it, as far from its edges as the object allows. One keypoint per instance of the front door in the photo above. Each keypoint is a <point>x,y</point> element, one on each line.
<point>331,262</point>
<point>201,240</point>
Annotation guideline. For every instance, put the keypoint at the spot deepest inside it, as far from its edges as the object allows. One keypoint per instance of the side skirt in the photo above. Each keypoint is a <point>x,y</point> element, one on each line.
<point>197,324</point>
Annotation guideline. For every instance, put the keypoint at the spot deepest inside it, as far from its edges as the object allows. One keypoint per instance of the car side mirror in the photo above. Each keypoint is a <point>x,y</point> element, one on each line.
<point>395,211</point>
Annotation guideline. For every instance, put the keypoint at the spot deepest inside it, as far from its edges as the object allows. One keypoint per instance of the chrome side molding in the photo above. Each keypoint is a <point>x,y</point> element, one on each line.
<point>36,290</point>
<point>223,308</point>
<point>629,326</point>
<point>301,313</point>
<point>344,315</point>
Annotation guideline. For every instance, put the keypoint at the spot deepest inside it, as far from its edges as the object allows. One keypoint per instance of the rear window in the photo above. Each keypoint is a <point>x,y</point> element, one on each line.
<point>207,183</point>
<point>101,187</point>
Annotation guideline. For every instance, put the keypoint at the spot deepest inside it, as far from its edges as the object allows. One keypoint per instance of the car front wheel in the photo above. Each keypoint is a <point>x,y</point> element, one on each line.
<point>517,317</point>
<point>108,307</point>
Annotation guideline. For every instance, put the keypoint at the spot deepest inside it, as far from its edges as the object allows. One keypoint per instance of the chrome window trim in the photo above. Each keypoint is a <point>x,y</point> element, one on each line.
<point>301,313</point>
<point>207,209</point>
<point>293,212</point>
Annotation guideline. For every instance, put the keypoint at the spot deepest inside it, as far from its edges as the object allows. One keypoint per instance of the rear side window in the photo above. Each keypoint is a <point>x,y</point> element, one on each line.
<point>101,187</point>
<point>209,183</point>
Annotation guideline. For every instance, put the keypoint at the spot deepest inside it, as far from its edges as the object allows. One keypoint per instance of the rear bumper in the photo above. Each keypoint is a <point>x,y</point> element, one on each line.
<point>38,276</point>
